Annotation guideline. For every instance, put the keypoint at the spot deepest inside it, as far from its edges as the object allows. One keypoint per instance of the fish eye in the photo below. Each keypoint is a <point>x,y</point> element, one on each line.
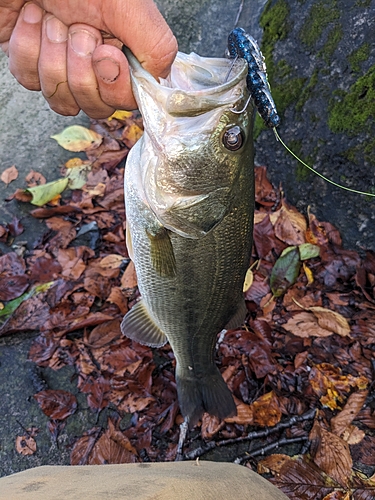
<point>233,138</point>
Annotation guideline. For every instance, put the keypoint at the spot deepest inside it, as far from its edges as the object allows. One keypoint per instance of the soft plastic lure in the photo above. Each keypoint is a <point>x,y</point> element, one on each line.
<point>240,44</point>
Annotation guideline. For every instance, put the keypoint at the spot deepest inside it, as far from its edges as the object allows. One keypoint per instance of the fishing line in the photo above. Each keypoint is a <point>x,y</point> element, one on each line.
<point>278,138</point>
<point>242,45</point>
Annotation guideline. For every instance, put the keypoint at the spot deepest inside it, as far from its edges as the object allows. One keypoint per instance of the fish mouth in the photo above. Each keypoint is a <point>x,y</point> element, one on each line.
<point>196,84</point>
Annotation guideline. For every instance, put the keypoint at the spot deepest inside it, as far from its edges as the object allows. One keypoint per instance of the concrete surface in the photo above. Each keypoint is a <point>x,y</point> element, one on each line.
<point>156,481</point>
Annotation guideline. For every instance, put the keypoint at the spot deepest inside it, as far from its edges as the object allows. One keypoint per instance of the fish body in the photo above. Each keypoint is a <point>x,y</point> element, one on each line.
<point>189,194</point>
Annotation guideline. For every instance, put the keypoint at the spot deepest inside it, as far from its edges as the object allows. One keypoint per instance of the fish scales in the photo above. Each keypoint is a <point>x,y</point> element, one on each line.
<point>189,208</point>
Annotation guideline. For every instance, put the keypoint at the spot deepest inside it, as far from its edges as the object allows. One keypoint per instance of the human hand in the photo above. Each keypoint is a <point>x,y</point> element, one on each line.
<point>71,50</point>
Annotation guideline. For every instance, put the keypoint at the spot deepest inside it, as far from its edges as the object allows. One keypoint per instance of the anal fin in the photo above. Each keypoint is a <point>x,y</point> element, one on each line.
<point>139,326</point>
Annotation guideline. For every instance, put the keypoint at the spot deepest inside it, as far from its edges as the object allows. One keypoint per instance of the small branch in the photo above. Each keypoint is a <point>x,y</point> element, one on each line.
<point>266,449</point>
<point>201,450</point>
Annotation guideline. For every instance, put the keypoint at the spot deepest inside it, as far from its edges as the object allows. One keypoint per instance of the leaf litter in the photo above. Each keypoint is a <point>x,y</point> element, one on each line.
<point>301,368</point>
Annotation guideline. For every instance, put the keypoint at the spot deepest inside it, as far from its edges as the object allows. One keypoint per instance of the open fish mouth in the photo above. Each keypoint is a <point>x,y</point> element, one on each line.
<point>195,85</point>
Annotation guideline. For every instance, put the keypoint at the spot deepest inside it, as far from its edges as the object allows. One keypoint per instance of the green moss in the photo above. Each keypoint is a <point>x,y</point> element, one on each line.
<point>363,3</point>
<point>356,107</point>
<point>358,56</point>
<point>334,38</point>
<point>259,126</point>
<point>306,91</point>
<point>320,16</point>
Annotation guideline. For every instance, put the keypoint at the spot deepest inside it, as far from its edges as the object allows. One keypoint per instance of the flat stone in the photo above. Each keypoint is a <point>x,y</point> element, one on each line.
<point>157,481</point>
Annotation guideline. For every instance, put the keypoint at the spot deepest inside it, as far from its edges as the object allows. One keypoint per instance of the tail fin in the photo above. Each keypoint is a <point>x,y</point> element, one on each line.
<point>209,394</point>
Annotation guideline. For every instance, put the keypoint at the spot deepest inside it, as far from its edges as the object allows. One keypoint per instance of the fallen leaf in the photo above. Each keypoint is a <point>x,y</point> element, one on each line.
<point>25,445</point>
<point>132,133</point>
<point>12,287</point>
<point>44,193</point>
<point>77,138</point>
<point>248,281</point>
<point>308,251</point>
<point>290,225</point>
<point>129,278</point>
<point>77,175</point>
<point>285,271</point>
<point>9,174</point>
<point>328,382</point>
<point>34,178</point>
<point>342,420</point>
<point>56,404</point>
<point>331,454</point>
<point>120,114</point>
<point>112,261</point>
<point>317,322</point>
<point>266,410</point>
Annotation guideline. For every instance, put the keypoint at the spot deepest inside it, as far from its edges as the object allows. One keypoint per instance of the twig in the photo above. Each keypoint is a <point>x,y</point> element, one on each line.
<point>201,450</point>
<point>265,449</point>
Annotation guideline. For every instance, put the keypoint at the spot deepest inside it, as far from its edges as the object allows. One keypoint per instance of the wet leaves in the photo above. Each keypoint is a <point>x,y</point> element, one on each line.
<point>301,368</point>
<point>56,404</point>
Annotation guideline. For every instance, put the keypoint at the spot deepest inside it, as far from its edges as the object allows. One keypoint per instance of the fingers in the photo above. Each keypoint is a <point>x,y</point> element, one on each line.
<point>83,40</point>
<point>24,46</point>
<point>52,67</point>
<point>113,77</point>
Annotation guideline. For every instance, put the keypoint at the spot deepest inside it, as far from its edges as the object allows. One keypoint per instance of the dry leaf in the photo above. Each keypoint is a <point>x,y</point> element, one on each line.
<point>112,261</point>
<point>129,278</point>
<point>317,322</point>
<point>34,179</point>
<point>331,454</point>
<point>290,225</point>
<point>9,174</point>
<point>25,445</point>
<point>77,138</point>
<point>341,422</point>
<point>266,410</point>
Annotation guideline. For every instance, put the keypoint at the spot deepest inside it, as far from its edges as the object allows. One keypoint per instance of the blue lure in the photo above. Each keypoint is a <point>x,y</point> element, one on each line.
<point>240,44</point>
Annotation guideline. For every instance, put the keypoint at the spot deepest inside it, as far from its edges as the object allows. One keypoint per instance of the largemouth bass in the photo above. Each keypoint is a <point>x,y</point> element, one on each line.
<point>189,194</point>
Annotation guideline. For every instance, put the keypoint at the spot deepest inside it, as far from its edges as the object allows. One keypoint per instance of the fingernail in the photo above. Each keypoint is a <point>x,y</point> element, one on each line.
<point>107,69</point>
<point>56,31</point>
<point>32,14</point>
<point>83,42</point>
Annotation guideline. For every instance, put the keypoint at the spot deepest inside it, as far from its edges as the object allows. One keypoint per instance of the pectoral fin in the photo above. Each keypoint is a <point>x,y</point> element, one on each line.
<point>162,254</point>
<point>139,326</point>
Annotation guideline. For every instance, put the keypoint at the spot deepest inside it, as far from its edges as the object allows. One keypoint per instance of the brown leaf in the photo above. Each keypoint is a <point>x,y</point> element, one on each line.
<point>56,404</point>
<point>331,454</point>
<point>112,261</point>
<point>267,411</point>
<point>108,448</point>
<point>9,174</point>
<point>317,322</point>
<point>245,414</point>
<point>129,278</point>
<point>342,421</point>
<point>70,259</point>
<point>35,179</point>
<point>117,297</point>
<point>298,477</point>
<point>83,446</point>
<point>25,445</point>
<point>12,287</point>
<point>290,225</point>
<point>365,451</point>
<point>331,386</point>
<point>210,426</point>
